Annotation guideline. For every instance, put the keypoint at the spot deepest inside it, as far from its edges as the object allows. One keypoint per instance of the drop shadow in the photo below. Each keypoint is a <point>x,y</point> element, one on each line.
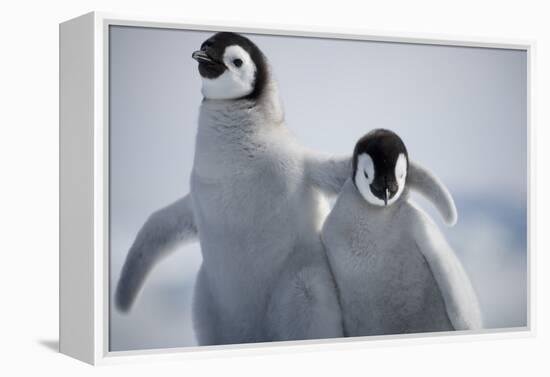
<point>52,345</point>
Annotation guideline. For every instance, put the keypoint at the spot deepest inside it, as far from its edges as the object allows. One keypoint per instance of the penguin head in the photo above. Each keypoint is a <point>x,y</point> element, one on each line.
<point>231,67</point>
<point>380,164</point>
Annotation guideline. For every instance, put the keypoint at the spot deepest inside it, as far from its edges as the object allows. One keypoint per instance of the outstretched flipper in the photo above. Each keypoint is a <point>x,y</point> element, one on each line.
<point>428,185</point>
<point>455,286</point>
<point>329,173</point>
<point>163,230</point>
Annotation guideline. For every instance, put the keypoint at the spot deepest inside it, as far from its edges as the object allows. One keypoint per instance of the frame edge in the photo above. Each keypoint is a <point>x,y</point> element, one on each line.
<point>76,188</point>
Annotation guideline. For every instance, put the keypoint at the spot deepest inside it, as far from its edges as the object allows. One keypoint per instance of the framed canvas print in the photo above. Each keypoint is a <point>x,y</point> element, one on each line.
<point>234,188</point>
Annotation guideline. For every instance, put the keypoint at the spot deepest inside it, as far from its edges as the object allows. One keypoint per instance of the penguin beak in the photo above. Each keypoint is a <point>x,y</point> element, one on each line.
<point>202,57</point>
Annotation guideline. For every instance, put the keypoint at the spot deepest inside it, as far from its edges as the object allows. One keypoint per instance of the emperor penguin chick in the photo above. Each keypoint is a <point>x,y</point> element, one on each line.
<point>394,270</point>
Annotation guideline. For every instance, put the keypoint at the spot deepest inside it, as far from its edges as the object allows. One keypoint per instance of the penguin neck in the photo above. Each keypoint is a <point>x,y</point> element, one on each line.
<point>234,133</point>
<point>263,111</point>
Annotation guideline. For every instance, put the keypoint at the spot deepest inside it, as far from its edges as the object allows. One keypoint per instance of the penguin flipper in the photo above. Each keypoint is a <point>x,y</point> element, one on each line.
<point>328,173</point>
<point>428,185</point>
<point>456,288</point>
<point>163,230</point>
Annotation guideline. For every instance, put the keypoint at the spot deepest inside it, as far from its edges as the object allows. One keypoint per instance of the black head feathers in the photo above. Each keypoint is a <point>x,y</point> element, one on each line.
<point>211,65</point>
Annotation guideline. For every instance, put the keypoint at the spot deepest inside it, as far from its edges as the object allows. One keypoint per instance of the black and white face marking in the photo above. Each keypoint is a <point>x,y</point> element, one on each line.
<point>380,163</point>
<point>231,67</point>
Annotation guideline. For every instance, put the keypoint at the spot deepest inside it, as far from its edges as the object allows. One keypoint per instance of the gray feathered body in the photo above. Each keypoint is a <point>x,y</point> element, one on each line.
<point>264,275</point>
<point>388,275</point>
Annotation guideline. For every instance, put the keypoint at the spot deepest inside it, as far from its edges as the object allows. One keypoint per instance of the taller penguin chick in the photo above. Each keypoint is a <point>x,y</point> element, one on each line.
<point>394,270</point>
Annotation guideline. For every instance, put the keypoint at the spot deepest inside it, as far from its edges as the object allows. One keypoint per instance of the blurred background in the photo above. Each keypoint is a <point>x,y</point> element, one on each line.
<point>460,111</point>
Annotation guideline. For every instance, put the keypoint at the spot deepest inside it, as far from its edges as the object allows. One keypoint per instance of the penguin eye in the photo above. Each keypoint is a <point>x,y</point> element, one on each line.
<point>366,175</point>
<point>237,62</point>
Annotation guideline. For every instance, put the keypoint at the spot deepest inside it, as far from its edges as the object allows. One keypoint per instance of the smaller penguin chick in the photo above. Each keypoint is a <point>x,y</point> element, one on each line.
<point>394,270</point>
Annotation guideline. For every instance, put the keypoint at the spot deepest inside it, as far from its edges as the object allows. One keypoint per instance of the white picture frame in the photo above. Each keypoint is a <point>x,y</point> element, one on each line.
<point>84,201</point>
